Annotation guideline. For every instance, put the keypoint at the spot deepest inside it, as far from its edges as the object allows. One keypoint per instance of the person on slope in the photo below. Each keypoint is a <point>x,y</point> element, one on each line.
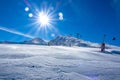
<point>102,47</point>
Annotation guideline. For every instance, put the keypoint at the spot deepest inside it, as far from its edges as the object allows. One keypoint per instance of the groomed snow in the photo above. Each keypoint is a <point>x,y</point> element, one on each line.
<point>34,62</point>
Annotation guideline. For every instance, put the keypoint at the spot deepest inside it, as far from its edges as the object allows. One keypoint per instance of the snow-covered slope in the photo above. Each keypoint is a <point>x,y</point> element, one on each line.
<point>35,41</point>
<point>72,41</point>
<point>33,62</point>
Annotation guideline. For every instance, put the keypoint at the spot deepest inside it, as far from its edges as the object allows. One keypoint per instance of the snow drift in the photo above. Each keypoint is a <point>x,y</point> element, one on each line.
<point>34,62</point>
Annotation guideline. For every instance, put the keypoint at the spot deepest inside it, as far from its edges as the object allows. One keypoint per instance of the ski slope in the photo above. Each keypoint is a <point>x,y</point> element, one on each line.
<point>34,62</point>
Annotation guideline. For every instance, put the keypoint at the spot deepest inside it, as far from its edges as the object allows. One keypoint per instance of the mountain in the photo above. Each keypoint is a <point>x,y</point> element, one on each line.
<point>60,41</point>
<point>72,41</point>
<point>8,42</point>
<point>37,41</point>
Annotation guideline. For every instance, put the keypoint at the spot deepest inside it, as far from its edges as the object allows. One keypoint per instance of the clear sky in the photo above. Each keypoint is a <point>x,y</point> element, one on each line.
<point>91,18</point>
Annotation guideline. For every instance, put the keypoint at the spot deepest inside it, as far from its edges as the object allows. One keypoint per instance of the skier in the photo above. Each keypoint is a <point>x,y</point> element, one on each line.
<point>48,43</point>
<point>102,47</point>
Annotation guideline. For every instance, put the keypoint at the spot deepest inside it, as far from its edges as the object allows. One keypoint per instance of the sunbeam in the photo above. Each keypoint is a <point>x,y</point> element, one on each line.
<point>15,32</point>
<point>43,21</point>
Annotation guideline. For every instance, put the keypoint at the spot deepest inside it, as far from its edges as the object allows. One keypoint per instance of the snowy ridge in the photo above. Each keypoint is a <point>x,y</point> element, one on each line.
<point>37,41</point>
<point>61,41</point>
<point>72,41</point>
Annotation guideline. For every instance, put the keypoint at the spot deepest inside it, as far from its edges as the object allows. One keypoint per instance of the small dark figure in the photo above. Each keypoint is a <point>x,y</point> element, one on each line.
<point>33,66</point>
<point>70,45</point>
<point>102,47</point>
<point>48,43</point>
<point>113,38</point>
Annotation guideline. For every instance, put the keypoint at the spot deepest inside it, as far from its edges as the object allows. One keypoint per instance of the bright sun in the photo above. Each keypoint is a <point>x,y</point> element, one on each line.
<point>43,19</point>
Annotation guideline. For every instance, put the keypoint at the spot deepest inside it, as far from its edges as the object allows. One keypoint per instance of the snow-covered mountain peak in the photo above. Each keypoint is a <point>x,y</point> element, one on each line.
<point>36,41</point>
<point>72,41</point>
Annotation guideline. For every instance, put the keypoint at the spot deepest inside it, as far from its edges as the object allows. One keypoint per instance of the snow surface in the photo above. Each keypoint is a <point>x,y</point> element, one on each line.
<point>35,62</point>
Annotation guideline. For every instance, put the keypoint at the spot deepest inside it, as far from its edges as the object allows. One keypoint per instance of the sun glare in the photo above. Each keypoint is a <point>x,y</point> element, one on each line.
<point>44,19</point>
<point>43,22</point>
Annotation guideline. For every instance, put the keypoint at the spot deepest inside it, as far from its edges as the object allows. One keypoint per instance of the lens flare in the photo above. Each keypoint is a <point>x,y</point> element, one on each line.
<point>60,16</point>
<point>15,32</point>
<point>26,9</point>
<point>44,19</point>
<point>43,22</point>
<point>30,15</point>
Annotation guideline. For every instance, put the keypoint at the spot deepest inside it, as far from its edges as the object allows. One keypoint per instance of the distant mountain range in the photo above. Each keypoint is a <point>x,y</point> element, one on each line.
<point>58,41</point>
<point>72,41</point>
<point>36,41</point>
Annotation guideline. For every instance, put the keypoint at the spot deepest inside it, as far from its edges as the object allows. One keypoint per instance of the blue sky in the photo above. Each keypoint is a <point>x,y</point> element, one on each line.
<point>91,18</point>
